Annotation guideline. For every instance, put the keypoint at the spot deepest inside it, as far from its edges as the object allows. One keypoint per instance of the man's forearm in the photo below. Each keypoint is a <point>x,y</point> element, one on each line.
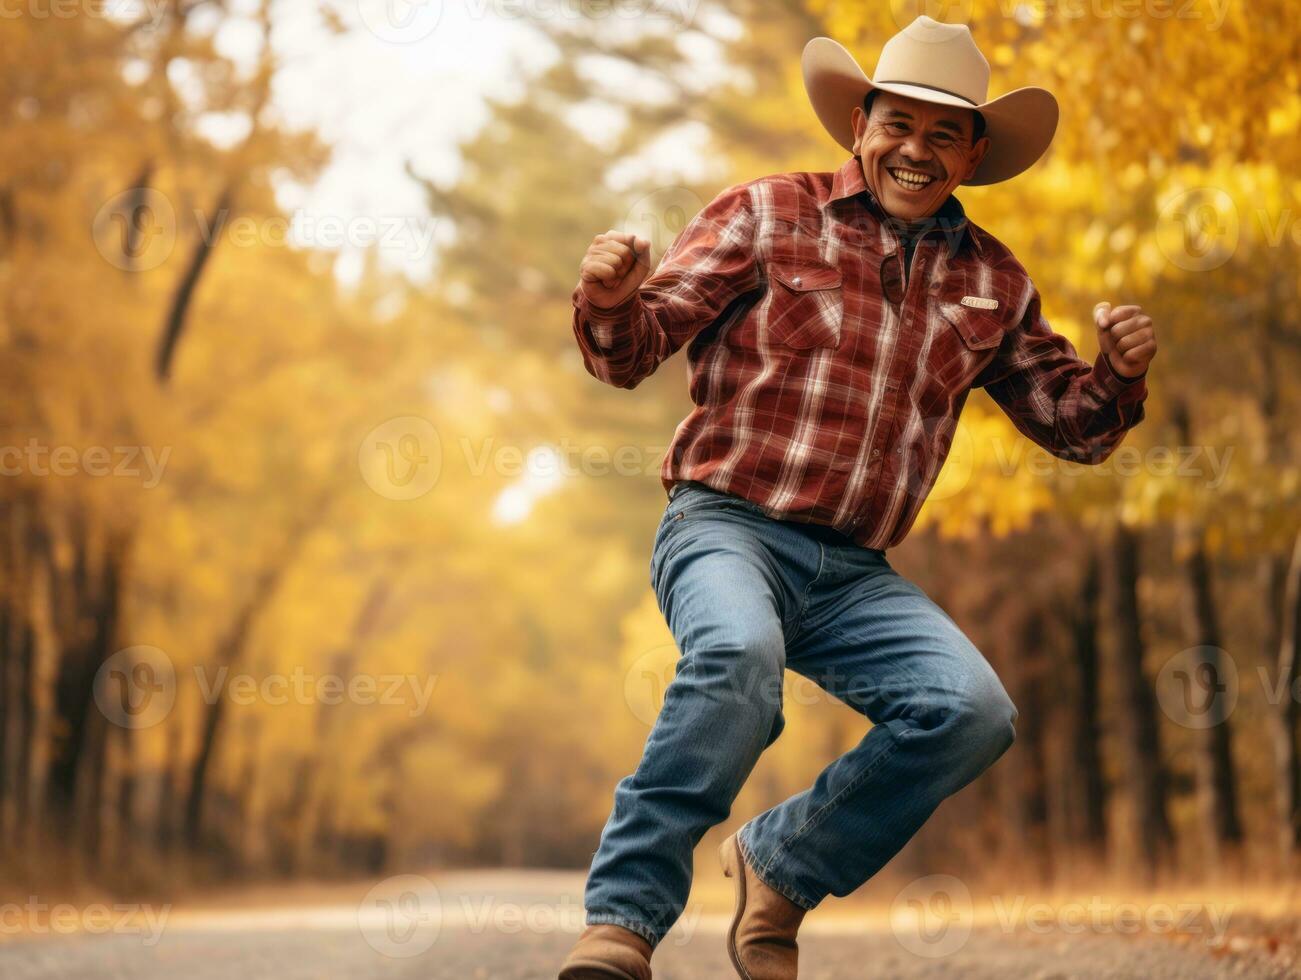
<point>1096,411</point>
<point>617,344</point>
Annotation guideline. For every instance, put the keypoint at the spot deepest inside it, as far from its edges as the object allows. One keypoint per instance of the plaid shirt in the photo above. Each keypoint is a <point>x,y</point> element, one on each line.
<point>827,385</point>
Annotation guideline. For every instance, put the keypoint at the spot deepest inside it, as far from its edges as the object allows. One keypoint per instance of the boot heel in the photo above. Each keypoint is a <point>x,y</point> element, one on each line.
<point>729,856</point>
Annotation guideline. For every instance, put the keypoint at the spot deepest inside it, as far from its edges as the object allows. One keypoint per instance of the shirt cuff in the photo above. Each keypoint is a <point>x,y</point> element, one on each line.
<point>602,321</point>
<point>1114,385</point>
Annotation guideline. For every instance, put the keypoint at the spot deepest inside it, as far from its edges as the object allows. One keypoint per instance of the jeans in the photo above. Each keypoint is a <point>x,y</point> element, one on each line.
<point>745,597</point>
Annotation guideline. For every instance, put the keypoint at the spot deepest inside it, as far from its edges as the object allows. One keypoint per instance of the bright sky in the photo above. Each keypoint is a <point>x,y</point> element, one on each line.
<point>405,80</point>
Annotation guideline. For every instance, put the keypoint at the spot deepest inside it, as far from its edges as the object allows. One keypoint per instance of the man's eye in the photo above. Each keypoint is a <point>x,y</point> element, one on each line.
<point>942,140</point>
<point>897,127</point>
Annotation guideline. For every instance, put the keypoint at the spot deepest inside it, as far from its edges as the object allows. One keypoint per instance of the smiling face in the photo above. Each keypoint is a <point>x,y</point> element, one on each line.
<point>914,153</point>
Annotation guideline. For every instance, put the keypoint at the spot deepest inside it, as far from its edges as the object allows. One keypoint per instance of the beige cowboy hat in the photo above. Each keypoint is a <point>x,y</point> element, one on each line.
<point>937,63</point>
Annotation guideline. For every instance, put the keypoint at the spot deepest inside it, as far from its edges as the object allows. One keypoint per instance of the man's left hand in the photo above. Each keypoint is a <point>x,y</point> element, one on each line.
<point>1127,337</point>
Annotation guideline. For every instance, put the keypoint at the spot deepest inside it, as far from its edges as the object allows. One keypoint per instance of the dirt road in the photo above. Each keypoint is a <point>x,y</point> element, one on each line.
<point>517,926</point>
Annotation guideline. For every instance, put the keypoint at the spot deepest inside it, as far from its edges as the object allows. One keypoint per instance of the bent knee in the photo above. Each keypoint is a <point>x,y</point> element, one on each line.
<point>985,720</point>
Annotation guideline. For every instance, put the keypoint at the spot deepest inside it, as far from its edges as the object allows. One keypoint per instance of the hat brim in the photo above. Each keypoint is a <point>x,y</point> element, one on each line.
<point>1020,125</point>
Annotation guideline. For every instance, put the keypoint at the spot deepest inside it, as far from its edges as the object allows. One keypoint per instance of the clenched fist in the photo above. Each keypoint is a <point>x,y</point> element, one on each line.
<point>616,263</point>
<point>1126,336</point>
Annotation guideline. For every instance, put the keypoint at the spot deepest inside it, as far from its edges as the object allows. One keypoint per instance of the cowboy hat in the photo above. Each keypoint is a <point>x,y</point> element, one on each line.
<point>937,63</point>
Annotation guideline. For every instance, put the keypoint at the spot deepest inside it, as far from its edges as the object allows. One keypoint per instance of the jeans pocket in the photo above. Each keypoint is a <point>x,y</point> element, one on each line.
<point>692,506</point>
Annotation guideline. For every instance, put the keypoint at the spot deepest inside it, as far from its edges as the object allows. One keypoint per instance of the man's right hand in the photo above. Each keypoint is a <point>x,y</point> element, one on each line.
<point>616,263</point>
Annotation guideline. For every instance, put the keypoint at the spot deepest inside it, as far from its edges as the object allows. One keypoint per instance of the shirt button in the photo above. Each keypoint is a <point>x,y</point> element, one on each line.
<point>875,453</point>
<point>796,281</point>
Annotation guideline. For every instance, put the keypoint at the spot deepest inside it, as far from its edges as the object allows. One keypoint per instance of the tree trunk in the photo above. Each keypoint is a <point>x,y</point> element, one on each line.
<point>90,810</point>
<point>1140,746</point>
<point>1217,798</point>
<point>1282,592</point>
<point>139,191</point>
<point>16,638</point>
<point>41,656</point>
<point>330,719</point>
<point>125,826</point>
<point>201,770</point>
<point>97,584</point>
<point>166,831</point>
<point>1216,786</point>
<point>1080,821</point>
<point>248,839</point>
<point>229,650</point>
<point>1031,701</point>
<point>1287,768</point>
<point>20,567</point>
<point>178,312</point>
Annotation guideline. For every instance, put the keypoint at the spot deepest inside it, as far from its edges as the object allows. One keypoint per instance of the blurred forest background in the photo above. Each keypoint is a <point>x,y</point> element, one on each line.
<point>226,468</point>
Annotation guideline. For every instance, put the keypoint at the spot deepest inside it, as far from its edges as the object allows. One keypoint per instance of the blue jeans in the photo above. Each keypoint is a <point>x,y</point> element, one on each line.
<point>745,597</point>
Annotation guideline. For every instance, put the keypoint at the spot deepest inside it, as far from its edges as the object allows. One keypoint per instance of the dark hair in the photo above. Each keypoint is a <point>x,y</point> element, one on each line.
<point>977,121</point>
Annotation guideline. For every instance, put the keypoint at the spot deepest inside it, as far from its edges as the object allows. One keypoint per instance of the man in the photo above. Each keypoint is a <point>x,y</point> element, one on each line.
<point>837,322</point>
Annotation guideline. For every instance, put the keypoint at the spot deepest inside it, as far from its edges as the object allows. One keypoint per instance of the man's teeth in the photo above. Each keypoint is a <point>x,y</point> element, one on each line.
<point>911,178</point>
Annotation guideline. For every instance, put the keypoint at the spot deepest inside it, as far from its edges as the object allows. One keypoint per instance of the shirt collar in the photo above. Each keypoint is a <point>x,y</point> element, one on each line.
<point>951,221</point>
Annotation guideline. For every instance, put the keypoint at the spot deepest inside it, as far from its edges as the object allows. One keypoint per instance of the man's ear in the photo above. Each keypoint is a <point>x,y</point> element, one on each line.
<point>978,151</point>
<point>858,120</point>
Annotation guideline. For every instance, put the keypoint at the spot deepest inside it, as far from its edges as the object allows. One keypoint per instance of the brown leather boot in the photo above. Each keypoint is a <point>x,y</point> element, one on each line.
<point>606,952</point>
<point>761,940</point>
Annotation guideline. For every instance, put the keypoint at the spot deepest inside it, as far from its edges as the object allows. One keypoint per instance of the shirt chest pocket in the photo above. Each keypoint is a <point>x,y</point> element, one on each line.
<point>807,304</point>
<point>968,339</point>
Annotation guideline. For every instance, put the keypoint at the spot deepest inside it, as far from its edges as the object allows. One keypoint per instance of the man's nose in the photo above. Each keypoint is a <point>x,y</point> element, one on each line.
<point>915,148</point>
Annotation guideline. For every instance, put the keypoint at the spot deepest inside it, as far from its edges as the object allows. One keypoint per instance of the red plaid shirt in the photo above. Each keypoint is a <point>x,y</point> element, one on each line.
<point>826,387</point>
